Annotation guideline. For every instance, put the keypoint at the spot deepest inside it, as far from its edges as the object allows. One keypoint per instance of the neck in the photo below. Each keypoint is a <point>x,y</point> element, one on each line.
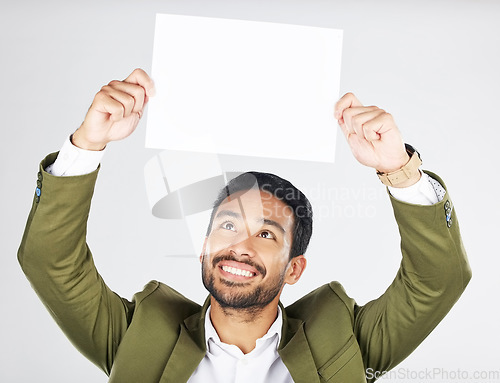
<point>242,327</point>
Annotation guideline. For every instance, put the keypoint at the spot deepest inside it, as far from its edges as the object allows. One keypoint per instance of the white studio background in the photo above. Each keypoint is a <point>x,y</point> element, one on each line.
<point>432,64</point>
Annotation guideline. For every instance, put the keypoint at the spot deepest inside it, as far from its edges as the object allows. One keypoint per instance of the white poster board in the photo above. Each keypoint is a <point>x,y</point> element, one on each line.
<point>244,87</point>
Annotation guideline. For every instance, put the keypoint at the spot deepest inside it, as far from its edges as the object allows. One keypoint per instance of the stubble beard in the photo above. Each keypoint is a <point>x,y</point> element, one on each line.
<point>252,301</point>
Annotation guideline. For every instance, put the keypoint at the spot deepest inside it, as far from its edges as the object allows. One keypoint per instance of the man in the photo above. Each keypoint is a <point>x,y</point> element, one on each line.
<point>255,244</point>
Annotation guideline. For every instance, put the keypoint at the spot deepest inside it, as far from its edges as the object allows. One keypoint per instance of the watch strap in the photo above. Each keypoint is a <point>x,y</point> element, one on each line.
<point>406,172</point>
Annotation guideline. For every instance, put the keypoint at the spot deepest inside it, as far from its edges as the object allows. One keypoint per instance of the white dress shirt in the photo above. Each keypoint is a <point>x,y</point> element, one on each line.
<point>73,161</point>
<point>224,362</point>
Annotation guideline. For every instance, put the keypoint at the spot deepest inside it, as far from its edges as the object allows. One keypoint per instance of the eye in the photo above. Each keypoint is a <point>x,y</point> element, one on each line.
<point>228,226</point>
<point>266,234</point>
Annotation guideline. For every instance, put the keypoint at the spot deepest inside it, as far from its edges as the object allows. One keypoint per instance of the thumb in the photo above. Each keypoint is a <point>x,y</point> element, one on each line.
<point>346,101</point>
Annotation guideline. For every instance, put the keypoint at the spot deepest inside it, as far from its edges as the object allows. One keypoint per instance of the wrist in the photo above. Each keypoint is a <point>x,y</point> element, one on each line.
<point>81,142</point>
<point>407,175</point>
<point>395,165</point>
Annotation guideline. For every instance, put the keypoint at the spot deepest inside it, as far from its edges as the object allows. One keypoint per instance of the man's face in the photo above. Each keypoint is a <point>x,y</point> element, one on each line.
<point>246,254</point>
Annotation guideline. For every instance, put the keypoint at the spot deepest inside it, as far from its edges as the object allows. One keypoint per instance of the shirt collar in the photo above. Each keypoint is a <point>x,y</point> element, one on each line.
<point>211,333</point>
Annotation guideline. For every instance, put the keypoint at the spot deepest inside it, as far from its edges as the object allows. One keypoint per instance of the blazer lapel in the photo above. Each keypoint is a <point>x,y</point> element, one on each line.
<point>295,352</point>
<point>189,349</point>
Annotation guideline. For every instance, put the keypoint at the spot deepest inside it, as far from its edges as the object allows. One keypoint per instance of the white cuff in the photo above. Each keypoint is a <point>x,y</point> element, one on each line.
<point>427,191</point>
<point>73,161</point>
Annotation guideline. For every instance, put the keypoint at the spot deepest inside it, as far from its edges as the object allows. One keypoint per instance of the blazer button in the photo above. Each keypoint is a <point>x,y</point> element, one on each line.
<point>38,192</point>
<point>448,208</point>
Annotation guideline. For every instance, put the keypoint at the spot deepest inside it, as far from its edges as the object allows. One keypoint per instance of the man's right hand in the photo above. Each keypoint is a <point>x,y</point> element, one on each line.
<point>115,111</point>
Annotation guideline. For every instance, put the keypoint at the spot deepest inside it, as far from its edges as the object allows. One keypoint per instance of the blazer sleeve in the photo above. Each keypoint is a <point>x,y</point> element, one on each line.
<point>433,274</point>
<point>58,263</point>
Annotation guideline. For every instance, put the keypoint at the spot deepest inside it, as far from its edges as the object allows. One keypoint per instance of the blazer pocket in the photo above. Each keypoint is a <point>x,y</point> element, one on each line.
<point>339,360</point>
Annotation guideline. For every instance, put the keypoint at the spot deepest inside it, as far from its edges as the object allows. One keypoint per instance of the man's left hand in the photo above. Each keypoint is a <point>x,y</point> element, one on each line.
<point>372,134</point>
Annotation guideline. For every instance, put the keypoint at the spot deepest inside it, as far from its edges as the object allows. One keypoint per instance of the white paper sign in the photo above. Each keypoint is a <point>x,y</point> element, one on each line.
<point>244,87</point>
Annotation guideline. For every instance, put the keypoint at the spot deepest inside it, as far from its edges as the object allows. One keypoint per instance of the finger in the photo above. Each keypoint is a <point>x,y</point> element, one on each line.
<point>127,100</point>
<point>350,114</point>
<point>374,128</point>
<point>359,121</point>
<point>344,129</point>
<point>140,77</point>
<point>114,107</point>
<point>348,100</point>
<point>137,92</point>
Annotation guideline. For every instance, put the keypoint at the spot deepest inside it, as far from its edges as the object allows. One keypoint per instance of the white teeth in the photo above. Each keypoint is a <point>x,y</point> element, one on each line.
<point>235,271</point>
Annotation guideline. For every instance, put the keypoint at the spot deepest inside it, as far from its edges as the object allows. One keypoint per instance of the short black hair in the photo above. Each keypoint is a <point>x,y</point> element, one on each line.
<point>282,190</point>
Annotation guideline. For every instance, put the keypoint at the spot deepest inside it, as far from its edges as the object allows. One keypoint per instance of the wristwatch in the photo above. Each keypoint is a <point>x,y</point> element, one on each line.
<point>406,172</point>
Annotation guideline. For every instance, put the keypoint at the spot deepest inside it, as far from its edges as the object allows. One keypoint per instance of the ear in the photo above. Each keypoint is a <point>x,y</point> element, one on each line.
<point>203,250</point>
<point>295,269</point>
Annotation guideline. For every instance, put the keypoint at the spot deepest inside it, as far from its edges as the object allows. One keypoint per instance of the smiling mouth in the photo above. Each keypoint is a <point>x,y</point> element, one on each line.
<point>237,272</point>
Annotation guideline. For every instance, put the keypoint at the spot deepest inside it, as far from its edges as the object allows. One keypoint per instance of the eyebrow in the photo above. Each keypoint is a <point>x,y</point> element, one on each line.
<point>229,213</point>
<point>270,222</point>
<point>265,221</point>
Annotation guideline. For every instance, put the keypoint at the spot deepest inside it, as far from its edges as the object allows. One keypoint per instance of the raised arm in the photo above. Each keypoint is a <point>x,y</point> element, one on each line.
<point>53,252</point>
<point>434,269</point>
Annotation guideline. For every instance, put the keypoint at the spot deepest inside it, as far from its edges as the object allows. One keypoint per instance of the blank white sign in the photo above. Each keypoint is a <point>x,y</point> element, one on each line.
<point>244,87</point>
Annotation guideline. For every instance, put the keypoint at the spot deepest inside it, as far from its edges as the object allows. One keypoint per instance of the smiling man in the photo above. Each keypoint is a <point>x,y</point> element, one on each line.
<point>255,244</point>
<point>248,255</point>
<point>231,272</point>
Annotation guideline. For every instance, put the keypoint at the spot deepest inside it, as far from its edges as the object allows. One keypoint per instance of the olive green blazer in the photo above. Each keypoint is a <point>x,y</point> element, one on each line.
<point>159,335</point>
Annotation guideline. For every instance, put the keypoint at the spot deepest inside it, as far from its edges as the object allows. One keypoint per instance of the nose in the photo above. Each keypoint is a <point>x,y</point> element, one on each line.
<point>242,248</point>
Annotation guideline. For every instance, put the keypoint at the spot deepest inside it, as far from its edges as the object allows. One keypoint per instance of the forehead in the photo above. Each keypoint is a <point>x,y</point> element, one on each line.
<point>258,205</point>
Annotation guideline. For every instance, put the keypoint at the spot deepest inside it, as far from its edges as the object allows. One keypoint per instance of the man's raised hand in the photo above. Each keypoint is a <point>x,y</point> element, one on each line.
<point>115,111</point>
<point>372,134</point>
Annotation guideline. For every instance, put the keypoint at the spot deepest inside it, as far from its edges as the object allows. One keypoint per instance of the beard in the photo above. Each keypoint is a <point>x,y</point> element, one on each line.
<point>253,300</point>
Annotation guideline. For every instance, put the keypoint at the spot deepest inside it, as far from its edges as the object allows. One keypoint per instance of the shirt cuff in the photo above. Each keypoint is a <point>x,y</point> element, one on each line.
<point>74,161</point>
<point>427,191</point>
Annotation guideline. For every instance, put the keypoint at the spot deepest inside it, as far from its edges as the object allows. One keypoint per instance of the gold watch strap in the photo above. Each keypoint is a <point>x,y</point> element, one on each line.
<point>403,174</point>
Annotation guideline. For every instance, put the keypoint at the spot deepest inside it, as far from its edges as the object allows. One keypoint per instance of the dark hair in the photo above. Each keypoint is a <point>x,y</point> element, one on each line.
<point>282,190</point>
